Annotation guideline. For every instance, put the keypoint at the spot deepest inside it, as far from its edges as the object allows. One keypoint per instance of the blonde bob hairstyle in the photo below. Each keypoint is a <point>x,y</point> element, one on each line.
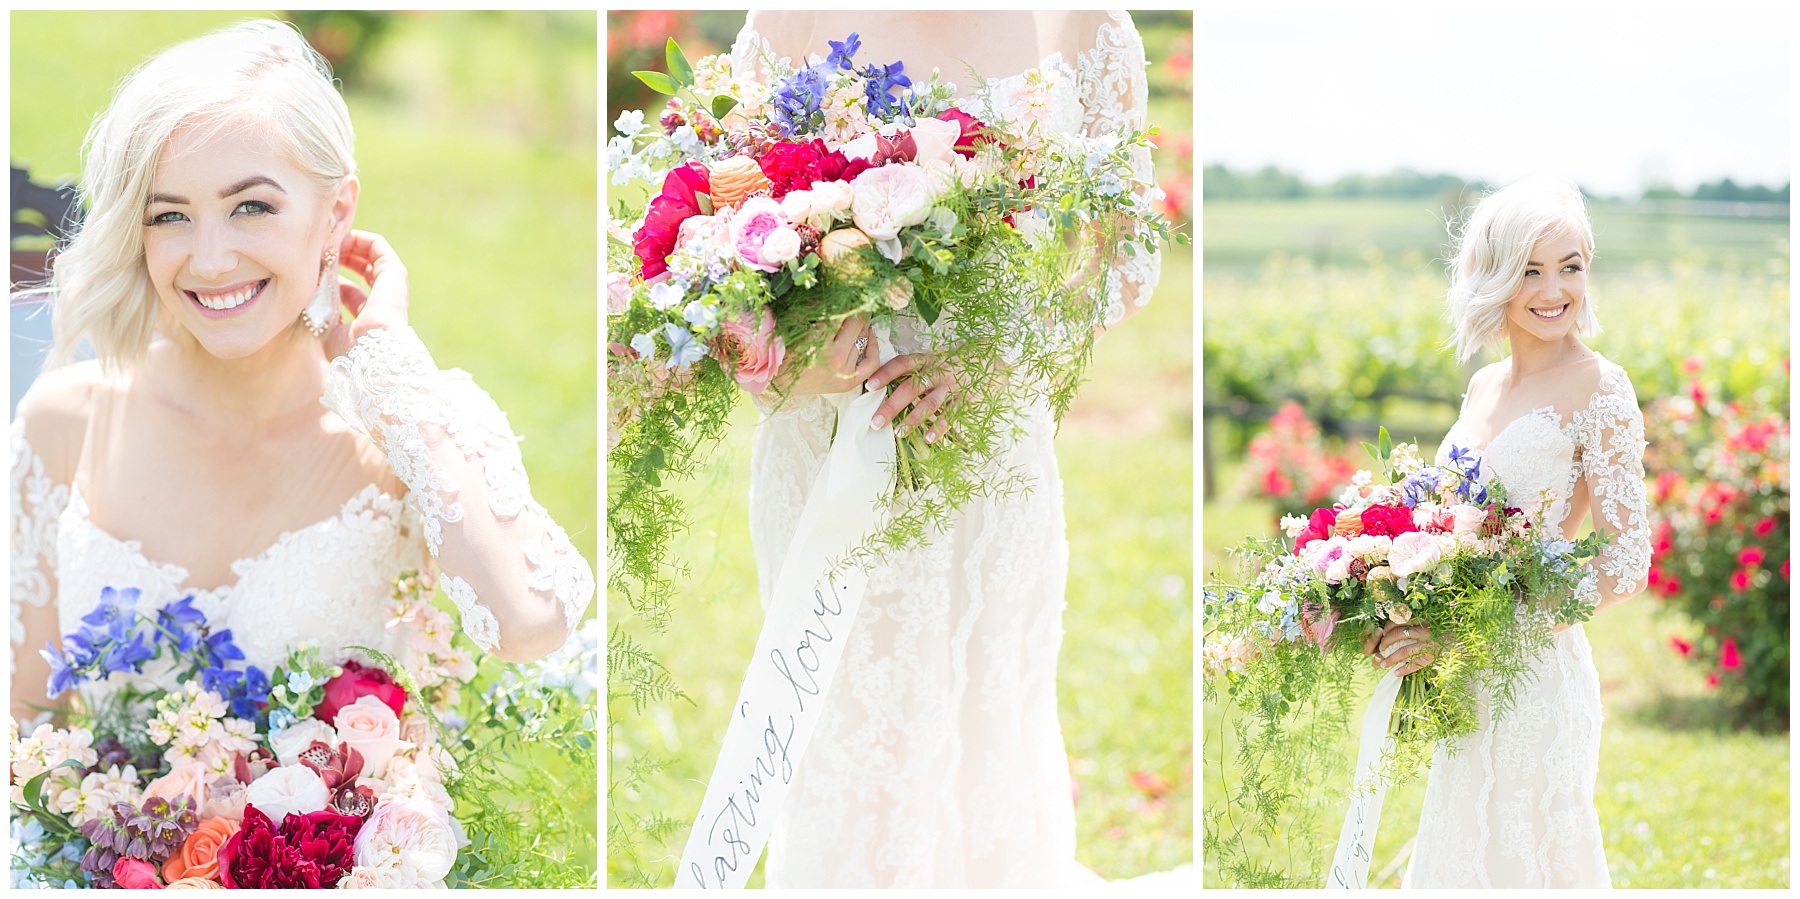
<point>258,74</point>
<point>1493,248</point>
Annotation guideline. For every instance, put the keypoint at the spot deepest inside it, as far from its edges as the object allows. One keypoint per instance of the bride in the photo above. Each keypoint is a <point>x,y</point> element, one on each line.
<point>1513,805</point>
<point>939,760</point>
<point>195,456</point>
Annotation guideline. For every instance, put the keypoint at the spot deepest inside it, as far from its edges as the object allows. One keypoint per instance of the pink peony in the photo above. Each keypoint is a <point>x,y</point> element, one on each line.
<point>752,342</point>
<point>761,235</point>
<point>680,199</point>
<point>1414,552</point>
<point>890,198</point>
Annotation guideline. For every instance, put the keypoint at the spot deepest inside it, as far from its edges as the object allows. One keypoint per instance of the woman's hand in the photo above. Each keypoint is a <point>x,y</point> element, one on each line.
<point>383,305</point>
<point>1406,647</point>
<point>922,382</point>
<point>847,360</point>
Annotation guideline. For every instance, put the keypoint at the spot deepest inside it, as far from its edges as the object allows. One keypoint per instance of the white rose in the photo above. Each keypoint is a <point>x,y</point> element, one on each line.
<point>781,245</point>
<point>797,207</point>
<point>293,739</point>
<point>889,198</point>
<point>371,728</point>
<point>935,139</point>
<point>414,834</point>
<point>1414,552</point>
<point>288,790</point>
<point>832,198</point>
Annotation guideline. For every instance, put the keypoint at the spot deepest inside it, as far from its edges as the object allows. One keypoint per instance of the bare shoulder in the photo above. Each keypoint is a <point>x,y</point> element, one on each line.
<point>54,414</point>
<point>1586,381</point>
<point>1487,378</point>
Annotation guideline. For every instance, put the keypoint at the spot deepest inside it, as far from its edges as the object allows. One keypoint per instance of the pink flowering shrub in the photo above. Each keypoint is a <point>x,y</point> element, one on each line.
<point>1289,465</point>
<point>1720,541</point>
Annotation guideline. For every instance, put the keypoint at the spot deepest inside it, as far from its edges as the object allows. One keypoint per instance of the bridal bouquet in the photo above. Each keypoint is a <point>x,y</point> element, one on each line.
<point>793,197</point>
<point>1429,545</point>
<point>314,775</point>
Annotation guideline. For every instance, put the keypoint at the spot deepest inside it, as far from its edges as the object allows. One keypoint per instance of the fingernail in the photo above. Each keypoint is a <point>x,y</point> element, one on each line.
<point>931,437</point>
<point>872,384</point>
<point>877,422</point>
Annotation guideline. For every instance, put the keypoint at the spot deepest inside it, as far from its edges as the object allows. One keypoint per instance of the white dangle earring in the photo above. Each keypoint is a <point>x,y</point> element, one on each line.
<point>321,311</point>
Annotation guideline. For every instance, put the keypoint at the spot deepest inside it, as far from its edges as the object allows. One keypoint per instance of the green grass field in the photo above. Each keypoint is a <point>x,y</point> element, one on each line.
<point>475,142</point>
<point>1125,677</point>
<point>1684,799</point>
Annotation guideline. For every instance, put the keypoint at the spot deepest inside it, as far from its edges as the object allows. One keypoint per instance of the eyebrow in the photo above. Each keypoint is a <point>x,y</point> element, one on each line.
<point>1574,255</point>
<point>233,190</point>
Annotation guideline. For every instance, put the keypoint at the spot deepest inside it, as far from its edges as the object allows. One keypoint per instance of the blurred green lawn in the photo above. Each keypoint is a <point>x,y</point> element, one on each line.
<point>1125,678</point>
<point>475,140</point>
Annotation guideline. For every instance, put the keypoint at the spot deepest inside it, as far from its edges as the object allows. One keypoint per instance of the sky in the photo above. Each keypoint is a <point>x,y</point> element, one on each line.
<point>1617,101</point>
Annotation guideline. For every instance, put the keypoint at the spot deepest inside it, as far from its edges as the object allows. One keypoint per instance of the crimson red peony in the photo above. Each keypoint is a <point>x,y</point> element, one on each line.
<point>971,131</point>
<point>1388,521</point>
<point>793,166</point>
<point>312,851</point>
<point>356,682</point>
<point>678,202</point>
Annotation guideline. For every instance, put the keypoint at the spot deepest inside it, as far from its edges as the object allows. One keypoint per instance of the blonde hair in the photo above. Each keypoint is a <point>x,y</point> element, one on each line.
<point>259,73</point>
<point>1492,252</point>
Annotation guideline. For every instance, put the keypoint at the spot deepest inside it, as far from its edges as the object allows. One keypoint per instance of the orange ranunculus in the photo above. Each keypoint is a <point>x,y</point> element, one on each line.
<point>1348,524</point>
<point>198,857</point>
<point>734,179</point>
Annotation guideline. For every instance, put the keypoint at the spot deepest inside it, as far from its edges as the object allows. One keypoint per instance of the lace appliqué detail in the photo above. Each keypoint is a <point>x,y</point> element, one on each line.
<point>1115,98</point>
<point>389,388</point>
<point>37,502</point>
<point>1611,432</point>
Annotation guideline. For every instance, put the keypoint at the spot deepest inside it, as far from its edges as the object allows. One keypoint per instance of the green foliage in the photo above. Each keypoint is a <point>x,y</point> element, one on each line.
<point>1723,479</point>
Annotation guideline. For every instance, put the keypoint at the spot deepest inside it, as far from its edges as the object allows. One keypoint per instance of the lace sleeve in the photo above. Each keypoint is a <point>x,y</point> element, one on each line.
<point>518,582</point>
<point>1612,468</point>
<point>1114,99</point>
<point>37,502</point>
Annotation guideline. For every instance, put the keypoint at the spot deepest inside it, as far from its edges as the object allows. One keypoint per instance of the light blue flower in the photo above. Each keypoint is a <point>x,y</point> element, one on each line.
<point>685,138</point>
<point>645,346</point>
<point>666,295</point>
<point>684,350</point>
<point>702,316</point>
<point>630,122</point>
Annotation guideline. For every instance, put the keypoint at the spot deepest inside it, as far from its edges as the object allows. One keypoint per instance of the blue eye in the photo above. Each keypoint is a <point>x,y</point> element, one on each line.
<point>254,207</point>
<point>166,218</point>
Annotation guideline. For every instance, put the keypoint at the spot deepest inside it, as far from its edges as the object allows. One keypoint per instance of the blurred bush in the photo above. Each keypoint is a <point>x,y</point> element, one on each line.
<point>1722,479</point>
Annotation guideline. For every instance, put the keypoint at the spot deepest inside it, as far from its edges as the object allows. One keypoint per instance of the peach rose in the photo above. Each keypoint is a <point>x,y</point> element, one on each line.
<point>195,883</point>
<point>199,856</point>
<point>370,727</point>
<point>187,779</point>
<point>734,179</point>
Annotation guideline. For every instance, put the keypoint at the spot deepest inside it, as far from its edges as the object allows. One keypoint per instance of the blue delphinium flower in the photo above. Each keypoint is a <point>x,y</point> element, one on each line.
<point>178,624</point>
<point>799,99</point>
<point>842,51</point>
<point>1420,486</point>
<point>882,79</point>
<point>117,611</point>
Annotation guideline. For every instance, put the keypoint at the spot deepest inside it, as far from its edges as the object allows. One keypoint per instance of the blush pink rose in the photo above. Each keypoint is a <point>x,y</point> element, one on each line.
<point>890,198</point>
<point>935,139</point>
<point>188,779</point>
<point>761,235</point>
<point>752,341</point>
<point>371,728</point>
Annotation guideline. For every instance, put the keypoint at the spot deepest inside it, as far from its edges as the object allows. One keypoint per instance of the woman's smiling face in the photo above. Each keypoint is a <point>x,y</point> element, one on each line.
<point>1554,288</point>
<point>235,235</point>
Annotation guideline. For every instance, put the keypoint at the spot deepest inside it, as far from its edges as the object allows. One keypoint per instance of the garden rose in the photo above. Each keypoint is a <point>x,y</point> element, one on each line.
<point>412,834</point>
<point>681,198</point>
<point>199,856</point>
<point>751,340</point>
<point>1468,519</point>
<point>1414,552</point>
<point>135,874</point>
<point>734,179</point>
<point>371,728</point>
<point>195,883</point>
<point>225,797</point>
<point>967,127</point>
<point>838,249</point>
<point>761,235</point>
<point>357,681</point>
<point>288,790</point>
<point>293,739</point>
<point>186,779</point>
<point>935,139</point>
<point>891,198</point>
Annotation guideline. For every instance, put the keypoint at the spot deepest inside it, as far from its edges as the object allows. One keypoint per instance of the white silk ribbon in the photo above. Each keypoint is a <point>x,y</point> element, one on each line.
<point>809,619</point>
<point>1356,840</point>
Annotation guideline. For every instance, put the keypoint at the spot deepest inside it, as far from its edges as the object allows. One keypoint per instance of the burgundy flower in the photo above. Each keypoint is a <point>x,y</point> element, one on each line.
<point>337,767</point>
<point>1317,528</point>
<point>971,131</point>
<point>248,766</point>
<point>678,202</point>
<point>1388,521</point>
<point>358,801</point>
<point>312,851</point>
<point>360,680</point>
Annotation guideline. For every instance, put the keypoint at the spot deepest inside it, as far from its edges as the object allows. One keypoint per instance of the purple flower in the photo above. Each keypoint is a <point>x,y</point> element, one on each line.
<point>799,100</point>
<point>117,611</point>
<point>68,665</point>
<point>841,51</point>
<point>882,79</point>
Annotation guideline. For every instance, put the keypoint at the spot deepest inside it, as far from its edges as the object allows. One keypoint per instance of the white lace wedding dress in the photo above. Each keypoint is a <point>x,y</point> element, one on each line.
<point>1513,804</point>
<point>939,760</point>
<point>329,582</point>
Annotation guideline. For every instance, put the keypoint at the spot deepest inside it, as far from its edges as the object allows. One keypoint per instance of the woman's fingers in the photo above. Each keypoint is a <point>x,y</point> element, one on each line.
<point>904,393</point>
<point>895,369</point>
<point>352,296</point>
<point>926,406</point>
